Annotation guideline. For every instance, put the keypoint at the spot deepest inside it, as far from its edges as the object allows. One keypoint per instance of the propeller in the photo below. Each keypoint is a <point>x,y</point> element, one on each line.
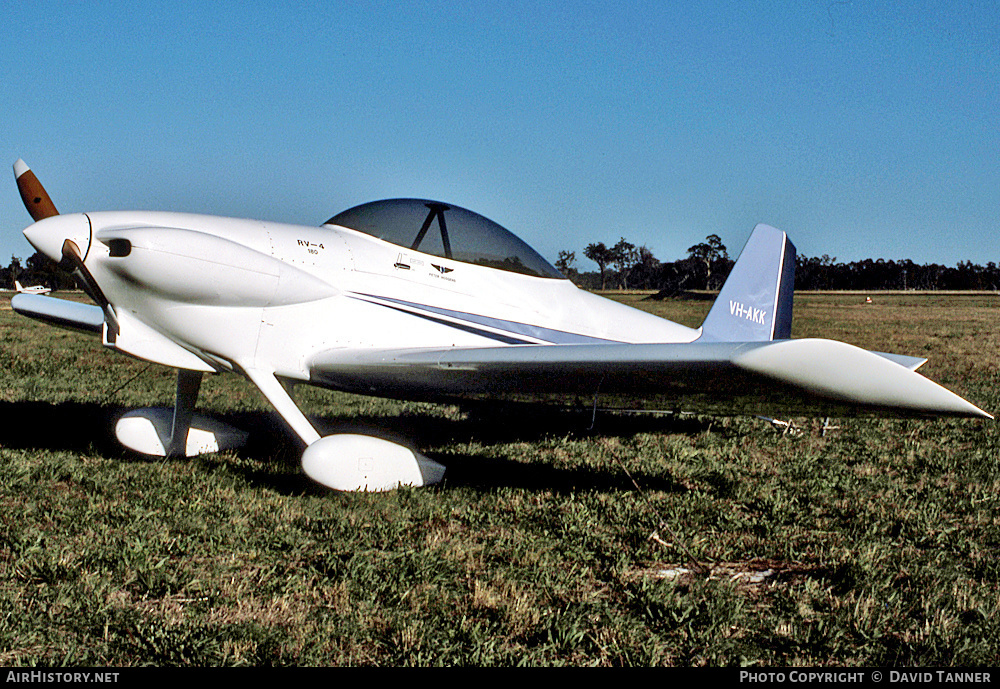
<point>72,258</point>
<point>40,206</point>
<point>35,198</point>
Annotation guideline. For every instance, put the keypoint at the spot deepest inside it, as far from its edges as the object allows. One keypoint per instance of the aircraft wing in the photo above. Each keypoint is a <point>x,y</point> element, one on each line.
<point>764,377</point>
<point>60,312</point>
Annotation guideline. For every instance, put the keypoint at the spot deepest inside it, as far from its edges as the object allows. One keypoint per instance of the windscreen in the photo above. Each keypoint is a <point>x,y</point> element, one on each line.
<point>448,231</point>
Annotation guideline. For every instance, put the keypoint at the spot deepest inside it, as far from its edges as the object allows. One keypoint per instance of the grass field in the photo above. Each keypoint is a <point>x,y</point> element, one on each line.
<point>643,541</point>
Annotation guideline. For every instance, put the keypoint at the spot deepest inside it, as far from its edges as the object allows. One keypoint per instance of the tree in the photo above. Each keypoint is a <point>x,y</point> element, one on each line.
<point>624,256</point>
<point>564,264</point>
<point>646,270</point>
<point>15,269</point>
<point>709,253</point>
<point>602,256</point>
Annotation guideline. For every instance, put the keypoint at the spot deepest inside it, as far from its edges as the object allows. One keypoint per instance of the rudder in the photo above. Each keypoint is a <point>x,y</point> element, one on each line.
<point>755,303</point>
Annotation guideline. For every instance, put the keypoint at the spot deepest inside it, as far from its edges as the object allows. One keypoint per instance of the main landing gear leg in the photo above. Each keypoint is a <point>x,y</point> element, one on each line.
<point>347,461</point>
<point>188,385</point>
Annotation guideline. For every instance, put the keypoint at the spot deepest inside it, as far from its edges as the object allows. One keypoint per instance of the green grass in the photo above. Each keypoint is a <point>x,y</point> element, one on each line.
<point>645,541</point>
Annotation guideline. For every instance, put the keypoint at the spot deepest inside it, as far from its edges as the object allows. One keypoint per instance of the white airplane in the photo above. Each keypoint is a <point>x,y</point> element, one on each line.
<point>417,299</point>
<point>36,289</point>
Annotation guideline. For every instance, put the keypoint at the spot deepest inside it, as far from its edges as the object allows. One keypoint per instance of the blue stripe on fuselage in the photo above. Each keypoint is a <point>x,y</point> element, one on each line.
<point>511,328</point>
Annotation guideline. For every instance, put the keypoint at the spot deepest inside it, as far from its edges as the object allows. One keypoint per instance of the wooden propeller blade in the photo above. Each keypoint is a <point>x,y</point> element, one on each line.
<point>72,258</point>
<point>71,255</point>
<point>35,198</point>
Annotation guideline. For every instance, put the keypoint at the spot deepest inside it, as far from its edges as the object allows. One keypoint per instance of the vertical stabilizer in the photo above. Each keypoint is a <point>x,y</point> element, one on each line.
<point>755,304</point>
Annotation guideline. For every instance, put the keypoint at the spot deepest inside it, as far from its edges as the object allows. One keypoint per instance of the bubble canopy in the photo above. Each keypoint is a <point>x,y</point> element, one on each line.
<point>441,229</point>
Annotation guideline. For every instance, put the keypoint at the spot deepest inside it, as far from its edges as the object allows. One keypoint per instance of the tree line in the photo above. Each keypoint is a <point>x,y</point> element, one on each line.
<point>706,266</point>
<point>37,270</point>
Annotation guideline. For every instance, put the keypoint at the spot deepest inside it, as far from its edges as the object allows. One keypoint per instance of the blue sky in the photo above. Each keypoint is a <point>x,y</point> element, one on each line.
<point>863,129</point>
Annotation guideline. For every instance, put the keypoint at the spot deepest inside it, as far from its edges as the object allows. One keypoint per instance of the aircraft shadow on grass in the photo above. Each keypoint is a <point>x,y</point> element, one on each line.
<point>28,426</point>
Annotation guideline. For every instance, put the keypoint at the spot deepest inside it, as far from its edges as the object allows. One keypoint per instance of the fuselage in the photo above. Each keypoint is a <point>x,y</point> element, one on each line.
<point>212,293</point>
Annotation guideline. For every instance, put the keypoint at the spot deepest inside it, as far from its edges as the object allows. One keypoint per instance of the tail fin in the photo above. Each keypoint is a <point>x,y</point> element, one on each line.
<point>755,304</point>
<point>17,286</point>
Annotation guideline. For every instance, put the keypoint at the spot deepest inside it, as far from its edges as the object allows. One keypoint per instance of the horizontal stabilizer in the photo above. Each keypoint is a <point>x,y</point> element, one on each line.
<point>910,362</point>
<point>61,312</point>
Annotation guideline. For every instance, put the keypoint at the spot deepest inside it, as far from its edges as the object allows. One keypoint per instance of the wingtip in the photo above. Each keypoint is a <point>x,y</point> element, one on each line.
<point>20,167</point>
<point>845,373</point>
<point>985,415</point>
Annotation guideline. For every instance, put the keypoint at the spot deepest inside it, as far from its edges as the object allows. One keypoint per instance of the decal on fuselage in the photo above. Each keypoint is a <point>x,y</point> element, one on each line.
<point>311,247</point>
<point>749,313</point>
<point>406,262</point>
